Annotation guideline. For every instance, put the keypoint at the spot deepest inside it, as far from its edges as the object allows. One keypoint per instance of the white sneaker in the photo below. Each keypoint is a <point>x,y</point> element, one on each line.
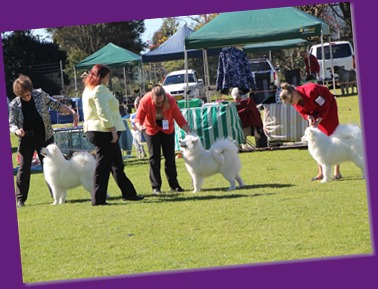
<point>156,191</point>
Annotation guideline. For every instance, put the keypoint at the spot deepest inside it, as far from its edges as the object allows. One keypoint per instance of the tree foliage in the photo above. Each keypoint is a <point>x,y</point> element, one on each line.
<point>40,60</point>
<point>83,40</point>
<point>90,38</point>
<point>336,15</point>
<point>167,29</point>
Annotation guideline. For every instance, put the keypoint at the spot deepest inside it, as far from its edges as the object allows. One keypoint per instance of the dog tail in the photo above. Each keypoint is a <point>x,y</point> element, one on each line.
<point>221,146</point>
<point>345,131</point>
<point>84,159</point>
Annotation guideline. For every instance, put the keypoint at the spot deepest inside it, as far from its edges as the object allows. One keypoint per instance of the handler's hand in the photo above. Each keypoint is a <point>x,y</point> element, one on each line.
<point>311,120</point>
<point>115,137</point>
<point>20,132</point>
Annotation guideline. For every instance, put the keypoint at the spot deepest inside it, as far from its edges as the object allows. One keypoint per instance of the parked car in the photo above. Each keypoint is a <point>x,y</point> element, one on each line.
<point>263,65</point>
<point>174,84</point>
<point>342,55</point>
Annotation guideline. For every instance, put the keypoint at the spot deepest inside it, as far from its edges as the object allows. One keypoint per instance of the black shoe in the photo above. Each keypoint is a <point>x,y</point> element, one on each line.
<point>337,177</point>
<point>134,198</point>
<point>178,189</point>
<point>20,204</point>
<point>102,204</point>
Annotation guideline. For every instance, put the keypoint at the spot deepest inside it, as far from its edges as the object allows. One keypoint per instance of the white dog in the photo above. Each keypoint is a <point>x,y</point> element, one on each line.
<point>221,158</point>
<point>345,144</point>
<point>62,174</point>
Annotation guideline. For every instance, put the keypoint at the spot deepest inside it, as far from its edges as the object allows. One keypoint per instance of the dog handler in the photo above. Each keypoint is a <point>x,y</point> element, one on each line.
<point>103,125</point>
<point>29,119</point>
<point>318,105</point>
<point>156,114</point>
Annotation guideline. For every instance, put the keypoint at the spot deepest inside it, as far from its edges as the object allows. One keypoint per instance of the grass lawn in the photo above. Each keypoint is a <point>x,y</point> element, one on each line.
<point>280,215</point>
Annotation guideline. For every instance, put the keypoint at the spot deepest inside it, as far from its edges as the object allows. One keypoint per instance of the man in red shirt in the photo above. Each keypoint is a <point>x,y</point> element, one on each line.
<point>312,65</point>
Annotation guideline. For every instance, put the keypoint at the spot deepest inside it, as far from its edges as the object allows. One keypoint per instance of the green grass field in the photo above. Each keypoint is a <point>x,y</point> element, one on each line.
<point>279,216</point>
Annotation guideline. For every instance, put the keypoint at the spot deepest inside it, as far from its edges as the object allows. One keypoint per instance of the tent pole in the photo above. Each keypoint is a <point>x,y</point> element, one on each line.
<point>323,56</point>
<point>75,78</point>
<point>141,77</point>
<point>155,80</point>
<point>206,74</point>
<point>332,71</point>
<point>124,80</point>
<point>186,77</point>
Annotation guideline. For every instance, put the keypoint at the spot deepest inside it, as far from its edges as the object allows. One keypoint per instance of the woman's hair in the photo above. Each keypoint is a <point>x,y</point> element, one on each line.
<point>97,73</point>
<point>136,102</point>
<point>159,91</point>
<point>286,94</point>
<point>22,84</point>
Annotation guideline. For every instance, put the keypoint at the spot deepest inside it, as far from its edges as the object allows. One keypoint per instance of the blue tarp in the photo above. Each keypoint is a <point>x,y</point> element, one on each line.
<point>174,47</point>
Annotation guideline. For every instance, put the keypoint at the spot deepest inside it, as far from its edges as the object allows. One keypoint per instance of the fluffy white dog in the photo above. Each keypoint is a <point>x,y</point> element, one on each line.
<point>345,144</point>
<point>221,158</point>
<point>62,174</point>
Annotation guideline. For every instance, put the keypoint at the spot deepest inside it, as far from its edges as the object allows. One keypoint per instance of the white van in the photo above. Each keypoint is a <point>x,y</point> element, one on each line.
<point>342,55</point>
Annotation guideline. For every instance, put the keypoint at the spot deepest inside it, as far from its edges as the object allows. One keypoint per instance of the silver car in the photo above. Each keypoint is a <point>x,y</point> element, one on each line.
<point>174,84</point>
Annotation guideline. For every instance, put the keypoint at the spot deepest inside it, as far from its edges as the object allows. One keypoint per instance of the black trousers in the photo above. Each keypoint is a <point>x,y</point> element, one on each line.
<point>109,160</point>
<point>156,144</point>
<point>27,146</point>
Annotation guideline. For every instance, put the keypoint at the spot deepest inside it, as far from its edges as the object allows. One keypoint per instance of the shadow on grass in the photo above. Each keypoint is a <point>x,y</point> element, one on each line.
<point>202,196</point>
<point>187,196</point>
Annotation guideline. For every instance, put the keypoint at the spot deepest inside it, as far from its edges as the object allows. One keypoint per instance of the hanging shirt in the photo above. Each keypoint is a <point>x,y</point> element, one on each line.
<point>234,70</point>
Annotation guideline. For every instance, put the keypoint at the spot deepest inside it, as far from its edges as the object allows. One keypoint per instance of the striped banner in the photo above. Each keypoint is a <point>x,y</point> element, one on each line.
<point>212,121</point>
<point>283,123</point>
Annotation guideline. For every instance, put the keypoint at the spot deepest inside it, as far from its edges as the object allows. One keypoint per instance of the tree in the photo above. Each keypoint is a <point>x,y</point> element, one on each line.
<point>90,38</point>
<point>83,40</point>
<point>336,15</point>
<point>27,54</point>
<point>342,11</point>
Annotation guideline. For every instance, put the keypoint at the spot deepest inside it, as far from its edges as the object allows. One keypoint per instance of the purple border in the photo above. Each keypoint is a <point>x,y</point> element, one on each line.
<point>346,272</point>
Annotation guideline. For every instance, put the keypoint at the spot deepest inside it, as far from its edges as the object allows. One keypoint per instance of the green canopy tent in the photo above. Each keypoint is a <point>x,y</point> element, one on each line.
<point>243,27</point>
<point>256,26</point>
<point>110,55</point>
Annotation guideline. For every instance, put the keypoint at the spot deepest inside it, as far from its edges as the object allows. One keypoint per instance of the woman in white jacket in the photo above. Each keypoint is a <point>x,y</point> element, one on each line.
<point>102,126</point>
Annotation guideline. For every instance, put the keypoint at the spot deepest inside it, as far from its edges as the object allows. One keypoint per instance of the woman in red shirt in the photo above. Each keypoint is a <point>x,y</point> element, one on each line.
<point>156,114</point>
<point>316,104</point>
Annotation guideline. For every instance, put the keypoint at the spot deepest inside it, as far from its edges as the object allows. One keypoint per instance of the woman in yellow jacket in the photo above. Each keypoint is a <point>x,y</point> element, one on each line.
<point>102,126</point>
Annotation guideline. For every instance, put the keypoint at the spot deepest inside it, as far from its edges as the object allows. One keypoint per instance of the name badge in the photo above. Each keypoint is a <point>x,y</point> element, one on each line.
<point>165,124</point>
<point>320,100</point>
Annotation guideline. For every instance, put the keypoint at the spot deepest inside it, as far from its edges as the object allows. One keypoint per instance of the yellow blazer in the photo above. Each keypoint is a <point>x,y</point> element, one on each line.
<point>101,110</point>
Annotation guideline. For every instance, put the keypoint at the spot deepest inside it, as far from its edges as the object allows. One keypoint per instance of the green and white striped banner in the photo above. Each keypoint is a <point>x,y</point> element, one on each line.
<point>212,121</point>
